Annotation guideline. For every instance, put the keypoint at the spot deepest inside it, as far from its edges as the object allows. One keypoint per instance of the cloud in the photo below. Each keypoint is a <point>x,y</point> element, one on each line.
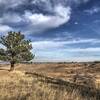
<point>81,1</point>
<point>33,21</point>
<point>84,50</point>
<point>5,28</point>
<point>43,22</point>
<point>36,16</point>
<point>32,16</point>
<point>63,51</point>
<point>42,45</point>
<point>93,10</point>
<point>63,2</point>
<point>11,3</point>
<point>11,18</point>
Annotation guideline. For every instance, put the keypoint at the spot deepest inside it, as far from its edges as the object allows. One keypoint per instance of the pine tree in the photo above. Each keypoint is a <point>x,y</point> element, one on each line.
<point>16,48</point>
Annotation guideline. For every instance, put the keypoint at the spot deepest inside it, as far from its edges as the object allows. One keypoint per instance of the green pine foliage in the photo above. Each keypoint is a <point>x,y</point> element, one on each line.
<point>17,48</point>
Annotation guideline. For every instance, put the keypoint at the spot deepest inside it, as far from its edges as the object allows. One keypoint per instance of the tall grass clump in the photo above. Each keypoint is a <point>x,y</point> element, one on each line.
<point>33,86</point>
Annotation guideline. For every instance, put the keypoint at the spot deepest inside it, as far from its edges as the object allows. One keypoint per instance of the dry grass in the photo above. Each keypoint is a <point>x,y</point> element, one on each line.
<point>18,86</point>
<point>14,85</point>
<point>46,84</point>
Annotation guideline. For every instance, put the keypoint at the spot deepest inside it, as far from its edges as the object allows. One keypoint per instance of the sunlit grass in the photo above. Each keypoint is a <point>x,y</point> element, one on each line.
<point>19,86</point>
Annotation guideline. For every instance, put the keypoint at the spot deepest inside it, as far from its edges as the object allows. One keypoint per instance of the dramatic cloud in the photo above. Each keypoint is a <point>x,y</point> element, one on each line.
<point>43,22</point>
<point>34,21</point>
<point>32,16</point>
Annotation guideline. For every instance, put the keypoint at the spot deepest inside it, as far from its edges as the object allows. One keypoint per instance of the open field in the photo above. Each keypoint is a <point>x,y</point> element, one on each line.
<point>51,81</point>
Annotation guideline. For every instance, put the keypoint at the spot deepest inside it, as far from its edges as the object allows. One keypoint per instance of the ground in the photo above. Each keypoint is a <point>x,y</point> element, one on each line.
<point>47,81</point>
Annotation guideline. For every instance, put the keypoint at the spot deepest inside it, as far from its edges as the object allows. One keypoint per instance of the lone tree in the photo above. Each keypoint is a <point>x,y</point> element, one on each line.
<point>16,48</point>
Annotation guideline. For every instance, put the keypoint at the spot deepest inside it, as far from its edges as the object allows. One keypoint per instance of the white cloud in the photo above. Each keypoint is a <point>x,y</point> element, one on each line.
<point>11,18</point>
<point>45,44</point>
<point>11,3</point>
<point>64,2</point>
<point>42,22</point>
<point>45,3</point>
<point>60,13</point>
<point>91,49</point>
<point>93,10</point>
<point>42,45</point>
<point>36,22</point>
<point>2,46</point>
<point>33,22</point>
<point>5,28</point>
<point>76,23</point>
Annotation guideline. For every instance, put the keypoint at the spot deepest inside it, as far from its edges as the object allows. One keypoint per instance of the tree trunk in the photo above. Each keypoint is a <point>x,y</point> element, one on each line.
<point>12,66</point>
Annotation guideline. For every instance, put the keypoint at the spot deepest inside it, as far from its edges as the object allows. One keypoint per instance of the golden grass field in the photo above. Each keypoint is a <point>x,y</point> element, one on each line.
<point>51,81</point>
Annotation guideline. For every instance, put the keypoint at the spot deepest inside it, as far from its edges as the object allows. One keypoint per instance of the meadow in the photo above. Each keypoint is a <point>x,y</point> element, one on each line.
<point>50,81</point>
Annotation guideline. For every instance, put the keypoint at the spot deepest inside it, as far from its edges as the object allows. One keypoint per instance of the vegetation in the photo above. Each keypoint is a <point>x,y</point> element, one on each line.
<point>39,82</point>
<point>16,48</point>
<point>20,86</point>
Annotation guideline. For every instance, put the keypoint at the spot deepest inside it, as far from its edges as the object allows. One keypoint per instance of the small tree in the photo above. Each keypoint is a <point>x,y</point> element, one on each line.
<point>16,48</point>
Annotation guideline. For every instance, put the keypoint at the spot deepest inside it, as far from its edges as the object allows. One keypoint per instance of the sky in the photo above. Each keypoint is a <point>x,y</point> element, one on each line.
<point>60,30</point>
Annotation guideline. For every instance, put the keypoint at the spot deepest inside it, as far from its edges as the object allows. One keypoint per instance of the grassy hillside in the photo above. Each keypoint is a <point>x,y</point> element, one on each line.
<point>50,82</point>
